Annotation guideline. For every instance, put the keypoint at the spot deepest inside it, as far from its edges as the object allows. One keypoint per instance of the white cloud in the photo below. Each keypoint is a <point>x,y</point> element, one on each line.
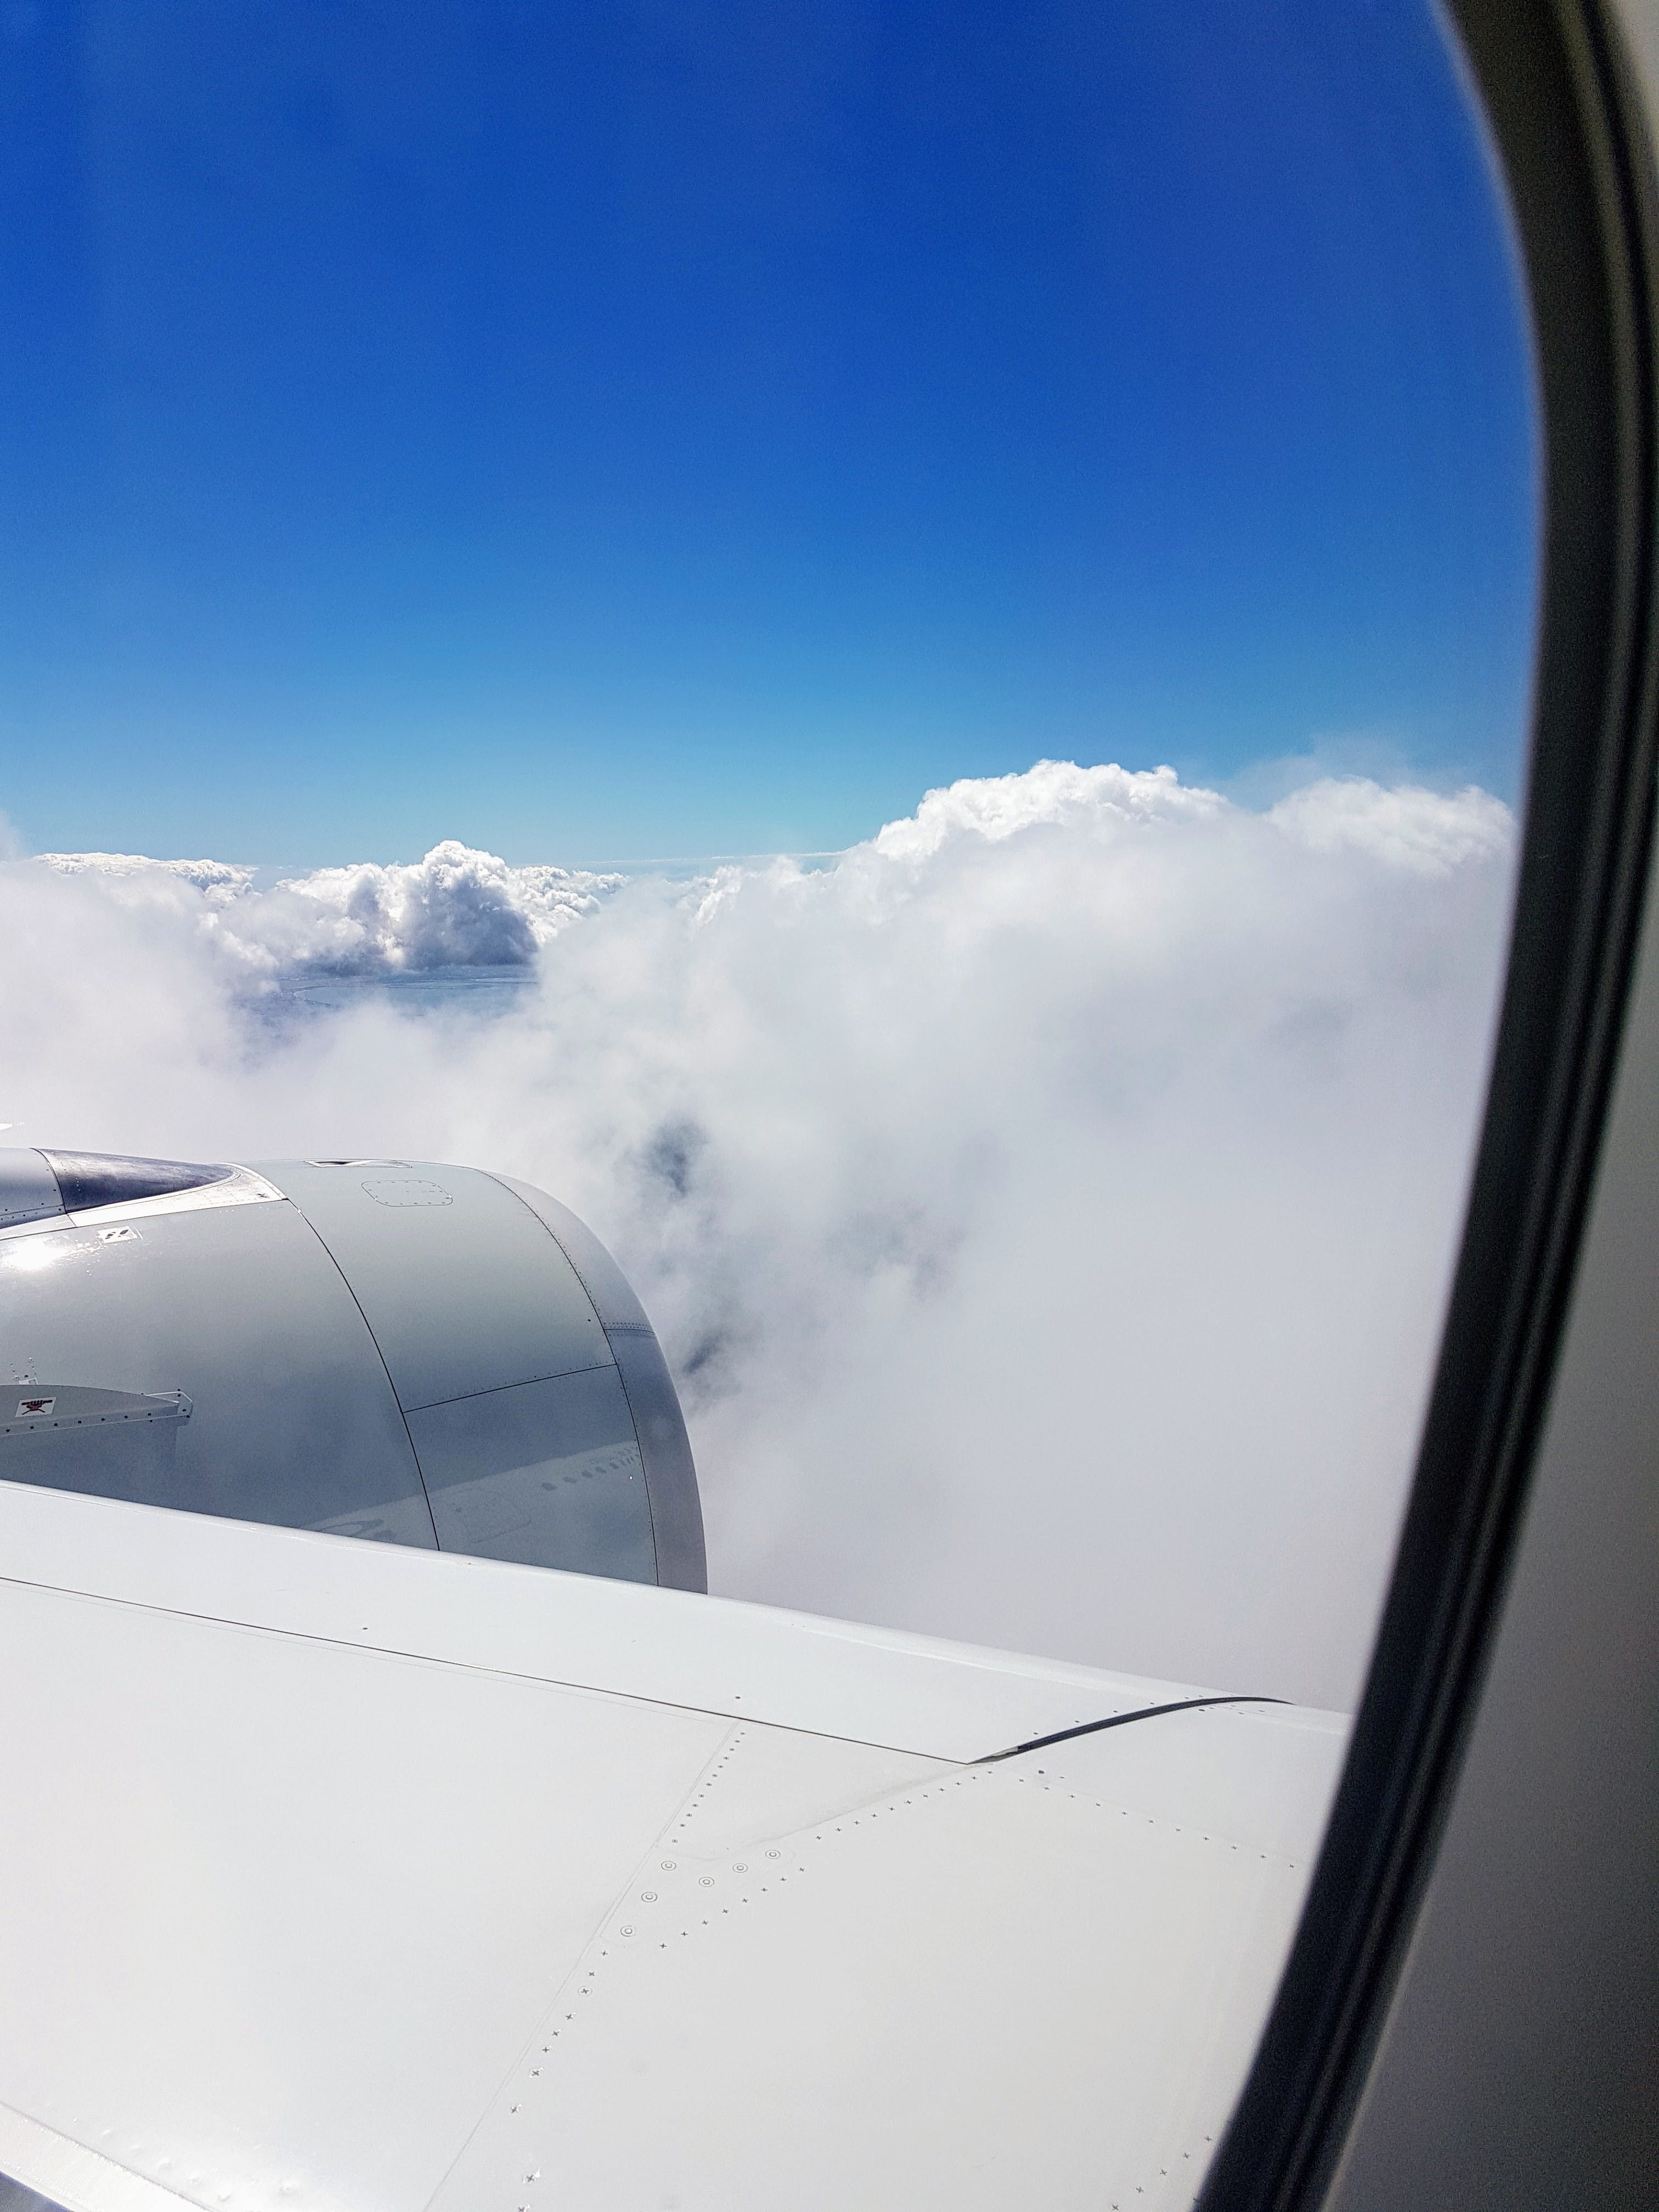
<point>1054,792</point>
<point>219,881</point>
<point>1047,1206</point>
<point>455,909</point>
<point>1414,829</point>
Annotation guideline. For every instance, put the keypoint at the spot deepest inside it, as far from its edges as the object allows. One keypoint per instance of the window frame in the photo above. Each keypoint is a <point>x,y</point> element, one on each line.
<point>1569,140</point>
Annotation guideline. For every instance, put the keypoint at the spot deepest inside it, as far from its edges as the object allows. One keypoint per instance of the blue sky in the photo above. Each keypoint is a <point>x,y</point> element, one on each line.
<point>602,431</point>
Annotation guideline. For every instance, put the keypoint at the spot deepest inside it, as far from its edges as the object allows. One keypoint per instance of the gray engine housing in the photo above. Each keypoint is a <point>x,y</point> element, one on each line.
<point>390,1349</point>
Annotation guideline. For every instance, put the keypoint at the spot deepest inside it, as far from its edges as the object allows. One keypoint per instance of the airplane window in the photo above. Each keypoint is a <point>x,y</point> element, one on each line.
<point>888,650</point>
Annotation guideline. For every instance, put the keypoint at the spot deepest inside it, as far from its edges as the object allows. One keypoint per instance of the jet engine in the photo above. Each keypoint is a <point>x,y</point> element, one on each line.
<point>377,1348</point>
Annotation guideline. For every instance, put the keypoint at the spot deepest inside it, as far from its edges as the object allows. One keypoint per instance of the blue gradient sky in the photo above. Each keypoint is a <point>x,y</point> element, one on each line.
<point>599,431</point>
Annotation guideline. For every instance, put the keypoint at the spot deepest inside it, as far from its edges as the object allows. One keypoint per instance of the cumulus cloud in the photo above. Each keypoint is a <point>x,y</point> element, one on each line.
<point>1047,1207</point>
<point>455,909</point>
<point>1417,831</point>
<point>219,881</point>
<point>1054,792</point>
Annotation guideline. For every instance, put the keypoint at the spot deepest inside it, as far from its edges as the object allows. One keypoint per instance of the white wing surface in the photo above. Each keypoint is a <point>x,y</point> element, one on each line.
<point>339,1875</point>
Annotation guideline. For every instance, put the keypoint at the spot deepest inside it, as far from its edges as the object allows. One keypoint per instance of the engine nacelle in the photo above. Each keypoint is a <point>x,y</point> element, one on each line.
<point>379,1348</point>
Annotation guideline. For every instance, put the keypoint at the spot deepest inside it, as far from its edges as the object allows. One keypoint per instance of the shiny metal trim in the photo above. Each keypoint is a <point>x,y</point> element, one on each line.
<point>241,1187</point>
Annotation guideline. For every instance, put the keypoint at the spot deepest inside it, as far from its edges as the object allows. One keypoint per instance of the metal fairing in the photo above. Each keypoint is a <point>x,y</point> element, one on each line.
<point>671,1477</point>
<point>299,1425</point>
<point>498,1361</point>
<point>385,1349</point>
<point>526,1314</point>
<point>383,1877</point>
<point>548,1472</point>
<point>28,1189</point>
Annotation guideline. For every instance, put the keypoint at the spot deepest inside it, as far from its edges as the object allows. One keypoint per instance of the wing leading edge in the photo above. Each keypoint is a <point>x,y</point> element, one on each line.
<point>342,1877</point>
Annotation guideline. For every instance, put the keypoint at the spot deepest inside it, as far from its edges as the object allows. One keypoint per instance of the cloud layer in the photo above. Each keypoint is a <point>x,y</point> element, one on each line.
<point>1047,1207</point>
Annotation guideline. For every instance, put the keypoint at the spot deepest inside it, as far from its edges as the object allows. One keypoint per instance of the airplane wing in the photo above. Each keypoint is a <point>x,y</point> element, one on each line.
<point>341,1876</point>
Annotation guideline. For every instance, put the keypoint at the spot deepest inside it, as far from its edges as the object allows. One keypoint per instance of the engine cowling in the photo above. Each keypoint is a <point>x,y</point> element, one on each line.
<point>388,1349</point>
